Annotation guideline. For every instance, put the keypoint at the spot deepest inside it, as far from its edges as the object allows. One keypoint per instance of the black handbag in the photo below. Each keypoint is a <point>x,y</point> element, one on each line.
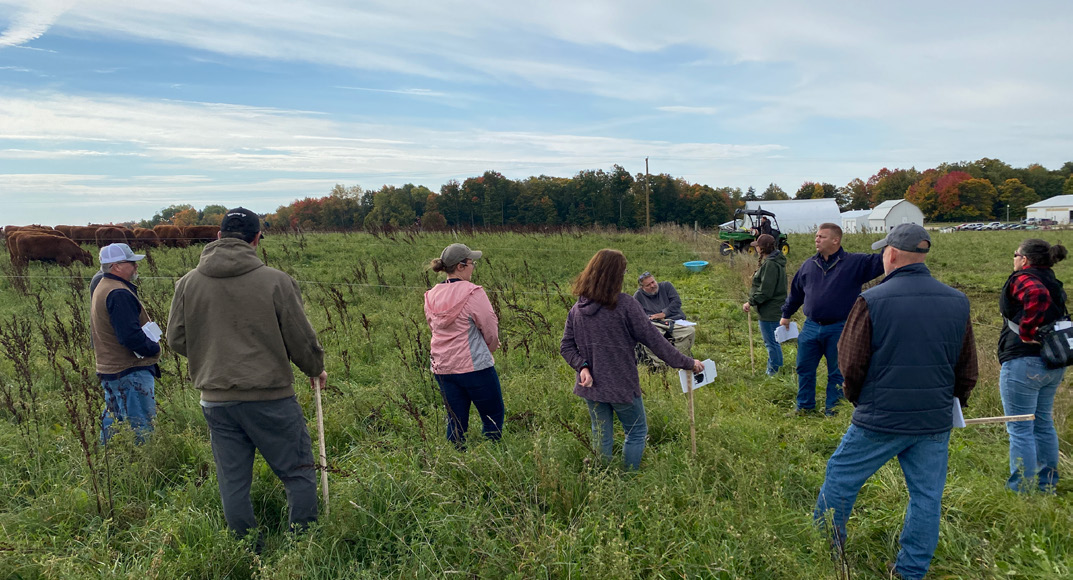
<point>1056,346</point>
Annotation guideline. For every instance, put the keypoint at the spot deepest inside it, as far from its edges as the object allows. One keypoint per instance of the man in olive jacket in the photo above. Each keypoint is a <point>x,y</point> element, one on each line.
<point>241,324</point>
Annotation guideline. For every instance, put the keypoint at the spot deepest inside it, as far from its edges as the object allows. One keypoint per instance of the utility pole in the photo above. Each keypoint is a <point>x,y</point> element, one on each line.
<point>1007,213</point>
<point>648,211</point>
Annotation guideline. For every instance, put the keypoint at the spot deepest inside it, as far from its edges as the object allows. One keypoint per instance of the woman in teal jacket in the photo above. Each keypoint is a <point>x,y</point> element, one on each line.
<point>767,295</point>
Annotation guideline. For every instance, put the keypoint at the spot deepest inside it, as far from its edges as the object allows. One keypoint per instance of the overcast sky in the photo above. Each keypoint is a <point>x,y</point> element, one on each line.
<point>111,109</point>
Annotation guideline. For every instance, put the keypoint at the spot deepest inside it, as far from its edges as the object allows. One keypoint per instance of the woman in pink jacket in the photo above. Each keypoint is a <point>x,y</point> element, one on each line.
<point>465,333</point>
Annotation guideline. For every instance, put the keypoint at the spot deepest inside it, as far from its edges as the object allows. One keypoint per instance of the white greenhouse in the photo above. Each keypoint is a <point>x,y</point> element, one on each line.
<point>797,216</point>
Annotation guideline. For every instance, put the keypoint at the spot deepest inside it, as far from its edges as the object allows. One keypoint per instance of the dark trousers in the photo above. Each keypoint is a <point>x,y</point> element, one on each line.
<point>278,430</point>
<point>480,388</point>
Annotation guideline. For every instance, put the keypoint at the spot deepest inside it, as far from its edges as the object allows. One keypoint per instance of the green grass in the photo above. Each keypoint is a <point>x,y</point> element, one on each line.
<point>404,503</point>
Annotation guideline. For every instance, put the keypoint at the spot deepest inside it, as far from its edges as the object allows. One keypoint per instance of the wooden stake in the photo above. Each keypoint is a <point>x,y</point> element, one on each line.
<point>692,419</point>
<point>1003,419</point>
<point>317,386</point>
<point>752,357</point>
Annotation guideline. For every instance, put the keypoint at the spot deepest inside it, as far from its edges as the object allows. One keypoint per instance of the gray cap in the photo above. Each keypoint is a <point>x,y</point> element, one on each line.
<point>905,237</point>
<point>456,253</point>
<point>113,253</point>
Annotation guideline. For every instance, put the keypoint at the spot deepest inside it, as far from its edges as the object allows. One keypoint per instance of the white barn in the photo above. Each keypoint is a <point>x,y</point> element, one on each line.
<point>796,216</point>
<point>893,212</point>
<point>1058,208</point>
<point>855,221</point>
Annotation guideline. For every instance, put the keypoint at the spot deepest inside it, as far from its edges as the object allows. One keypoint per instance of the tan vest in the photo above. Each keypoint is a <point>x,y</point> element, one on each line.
<point>113,357</point>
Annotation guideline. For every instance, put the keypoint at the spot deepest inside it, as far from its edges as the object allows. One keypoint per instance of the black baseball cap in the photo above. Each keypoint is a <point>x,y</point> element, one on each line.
<point>241,220</point>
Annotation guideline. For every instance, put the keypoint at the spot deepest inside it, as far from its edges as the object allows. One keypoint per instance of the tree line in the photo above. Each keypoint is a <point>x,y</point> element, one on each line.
<point>963,191</point>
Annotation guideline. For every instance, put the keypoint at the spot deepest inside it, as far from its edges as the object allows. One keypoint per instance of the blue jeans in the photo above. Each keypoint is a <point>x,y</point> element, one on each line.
<point>923,459</point>
<point>1028,386</point>
<point>634,423</point>
<point>814,342</point>
<point>129,398</point>
<point>481,388</point>
<point>774,349</point>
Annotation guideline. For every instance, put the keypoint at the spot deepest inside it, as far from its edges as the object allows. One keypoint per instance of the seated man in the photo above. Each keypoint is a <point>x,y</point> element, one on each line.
<point>764,227</point>
<point>663,306</point>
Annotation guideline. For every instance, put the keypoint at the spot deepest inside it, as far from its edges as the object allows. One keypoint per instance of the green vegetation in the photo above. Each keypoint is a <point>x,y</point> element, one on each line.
<point>405,503</point>
<point>964,191</point>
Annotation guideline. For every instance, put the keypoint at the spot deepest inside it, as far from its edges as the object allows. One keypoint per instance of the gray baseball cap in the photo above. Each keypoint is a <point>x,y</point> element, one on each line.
<point>456,253</point>
<point>905,237</point>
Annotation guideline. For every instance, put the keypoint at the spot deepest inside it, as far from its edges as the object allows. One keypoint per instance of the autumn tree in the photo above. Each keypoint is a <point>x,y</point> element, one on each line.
<point>1014,195</point>
<point>433,221</point>
<point>1046,184</point>
<point>452,204</point>
<point>391,207</point>
<point>186,217</point>
<point>856,194</point>
<point>977,197</point>
<point>165,215</point>
<point>774,193</point>
<point>890,184</point>
<point>949,196</point>
<point>923,194</point>
<point>211,215</point>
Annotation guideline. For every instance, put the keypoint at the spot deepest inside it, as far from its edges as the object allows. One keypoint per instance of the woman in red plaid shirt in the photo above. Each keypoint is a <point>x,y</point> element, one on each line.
<point>1032,298</point>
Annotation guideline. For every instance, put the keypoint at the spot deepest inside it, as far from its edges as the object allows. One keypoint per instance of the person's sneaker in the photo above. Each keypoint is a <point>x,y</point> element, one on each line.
<point>797,412</point>
<point>830,412</point>
<point>893,572</point>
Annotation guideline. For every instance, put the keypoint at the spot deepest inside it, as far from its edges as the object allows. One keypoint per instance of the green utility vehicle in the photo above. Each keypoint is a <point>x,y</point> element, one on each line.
<point>740,238</point>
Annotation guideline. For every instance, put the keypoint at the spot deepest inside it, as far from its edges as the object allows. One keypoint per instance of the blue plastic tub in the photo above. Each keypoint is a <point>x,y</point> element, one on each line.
<point>695,265</point>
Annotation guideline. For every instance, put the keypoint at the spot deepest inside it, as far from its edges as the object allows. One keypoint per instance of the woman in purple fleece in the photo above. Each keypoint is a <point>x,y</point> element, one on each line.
<point>601,332</point>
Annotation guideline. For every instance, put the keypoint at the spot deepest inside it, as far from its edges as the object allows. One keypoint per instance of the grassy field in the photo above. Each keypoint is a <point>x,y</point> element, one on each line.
<point>405,503</point>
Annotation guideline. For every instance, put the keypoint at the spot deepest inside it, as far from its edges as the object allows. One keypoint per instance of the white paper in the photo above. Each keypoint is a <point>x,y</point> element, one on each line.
<point>1062,324</point>
<point>152,330</point>
<point>699,379</point>
<point>959,419</point>
<point>684,323</point>
<point>782,334</point>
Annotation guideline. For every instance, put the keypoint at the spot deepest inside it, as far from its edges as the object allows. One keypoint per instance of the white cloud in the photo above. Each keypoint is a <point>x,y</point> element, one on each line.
<point>689,110</point>
<point>34,20</point>
<point>190,151</point>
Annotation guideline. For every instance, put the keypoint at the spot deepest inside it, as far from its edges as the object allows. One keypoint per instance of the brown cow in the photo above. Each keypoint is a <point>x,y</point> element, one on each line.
<point>201,234</point>
<point>111,235</point>
<point>12,239</point>
<point>171,236</point>
<point>84,234</point>
<point>145,238</point>
<point>65,230</point>
<point>57,249</point>
<point>13,229</point>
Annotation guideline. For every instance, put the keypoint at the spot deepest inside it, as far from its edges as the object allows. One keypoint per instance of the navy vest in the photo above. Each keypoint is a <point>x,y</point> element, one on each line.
<point>1010,345</point>
<point>918,326</point>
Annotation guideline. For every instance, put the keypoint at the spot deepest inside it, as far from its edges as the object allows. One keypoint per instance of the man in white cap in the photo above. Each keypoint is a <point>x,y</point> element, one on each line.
<point>126,355</point>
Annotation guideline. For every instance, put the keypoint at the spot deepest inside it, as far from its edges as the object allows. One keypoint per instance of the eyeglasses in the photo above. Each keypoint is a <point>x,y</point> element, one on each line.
<point>1018,255</point>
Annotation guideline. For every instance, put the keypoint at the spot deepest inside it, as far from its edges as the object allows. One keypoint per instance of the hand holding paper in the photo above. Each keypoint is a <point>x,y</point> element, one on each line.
<point>152,330</point>
<point>699,379</point>
<point>784,333</point>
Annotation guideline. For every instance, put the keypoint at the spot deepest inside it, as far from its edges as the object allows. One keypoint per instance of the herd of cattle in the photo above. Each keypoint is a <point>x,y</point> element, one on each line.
<point>62,244</point>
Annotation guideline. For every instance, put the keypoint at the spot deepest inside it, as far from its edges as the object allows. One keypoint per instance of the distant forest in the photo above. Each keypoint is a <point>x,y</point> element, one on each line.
<point>964,191</point>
